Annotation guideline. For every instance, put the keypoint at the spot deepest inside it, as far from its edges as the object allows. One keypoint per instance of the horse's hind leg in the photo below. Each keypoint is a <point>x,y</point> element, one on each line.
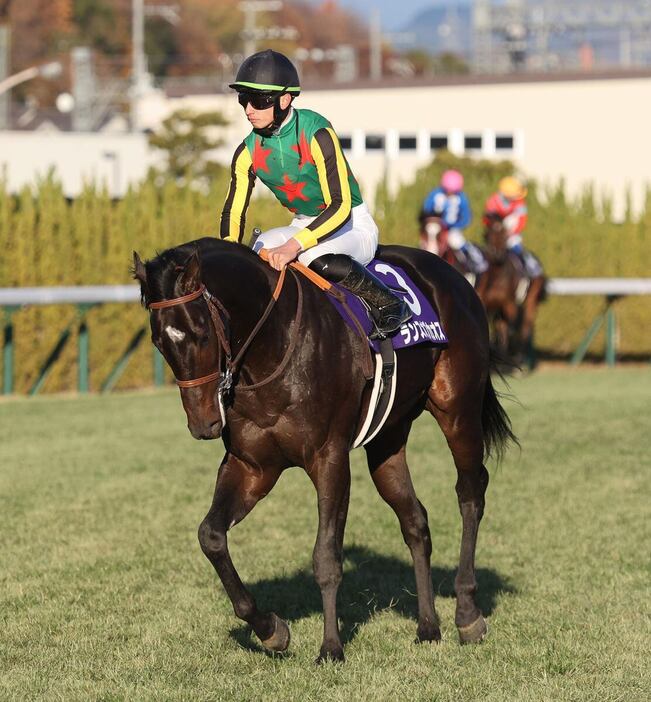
<point>457,408</point>
<point>239,488</point>
<point>388,465</point>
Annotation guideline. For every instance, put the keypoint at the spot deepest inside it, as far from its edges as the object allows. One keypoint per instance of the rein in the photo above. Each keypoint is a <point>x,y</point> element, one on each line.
<point>218,313</point>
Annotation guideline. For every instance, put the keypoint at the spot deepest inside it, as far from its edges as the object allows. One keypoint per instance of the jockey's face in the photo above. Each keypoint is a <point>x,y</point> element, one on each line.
<point>260,119</point>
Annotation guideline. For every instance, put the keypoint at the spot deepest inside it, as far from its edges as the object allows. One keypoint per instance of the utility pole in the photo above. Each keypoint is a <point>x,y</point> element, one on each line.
<point>139,60</point>
<point>5,48</point>
<point>375,43</point>
<point>251,33</point>
<point>140,78</point>
<point>84,90</point>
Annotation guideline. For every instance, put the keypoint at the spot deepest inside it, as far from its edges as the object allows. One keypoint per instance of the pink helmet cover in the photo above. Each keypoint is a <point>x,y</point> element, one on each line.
<point>452,181</point>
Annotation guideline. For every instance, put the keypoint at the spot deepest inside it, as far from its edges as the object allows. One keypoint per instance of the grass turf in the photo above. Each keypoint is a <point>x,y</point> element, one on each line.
<point>105,594</point>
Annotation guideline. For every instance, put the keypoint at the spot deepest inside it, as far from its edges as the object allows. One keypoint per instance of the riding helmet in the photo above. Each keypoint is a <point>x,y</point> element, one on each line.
<point>269,72</point>
<point>452,181</point>
<point>512,188</point>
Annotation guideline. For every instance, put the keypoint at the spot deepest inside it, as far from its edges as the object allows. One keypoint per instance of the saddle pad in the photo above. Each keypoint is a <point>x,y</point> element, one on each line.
<point>424,326</point>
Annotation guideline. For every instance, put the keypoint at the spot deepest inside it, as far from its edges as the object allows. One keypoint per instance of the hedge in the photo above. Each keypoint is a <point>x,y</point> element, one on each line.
<point>46,239</point>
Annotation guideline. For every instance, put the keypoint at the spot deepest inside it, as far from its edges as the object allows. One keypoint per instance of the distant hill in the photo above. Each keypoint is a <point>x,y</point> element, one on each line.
<point>442,28</point>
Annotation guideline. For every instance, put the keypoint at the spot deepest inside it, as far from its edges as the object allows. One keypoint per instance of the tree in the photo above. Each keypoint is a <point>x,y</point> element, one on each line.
<point>187,137</point>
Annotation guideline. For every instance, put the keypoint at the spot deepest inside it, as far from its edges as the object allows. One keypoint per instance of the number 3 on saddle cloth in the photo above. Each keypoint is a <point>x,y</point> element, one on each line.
<point>423,328</point>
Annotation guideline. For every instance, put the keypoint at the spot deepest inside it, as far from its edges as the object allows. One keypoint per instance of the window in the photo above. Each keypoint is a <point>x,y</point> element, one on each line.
<point>504,142</point>
<point>438,142</point>
<point>346,142</point>
<point>374,142</point>
<point>407,143</point>
<point>471,142</point>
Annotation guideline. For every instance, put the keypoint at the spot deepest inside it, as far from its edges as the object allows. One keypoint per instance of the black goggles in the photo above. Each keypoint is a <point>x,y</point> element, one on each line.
<point>259,101</point>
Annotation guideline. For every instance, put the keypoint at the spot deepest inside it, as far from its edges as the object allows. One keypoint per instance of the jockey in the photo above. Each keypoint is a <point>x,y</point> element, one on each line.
<point>509,204</point>
<point>450,203</point>
<point>297,155</point>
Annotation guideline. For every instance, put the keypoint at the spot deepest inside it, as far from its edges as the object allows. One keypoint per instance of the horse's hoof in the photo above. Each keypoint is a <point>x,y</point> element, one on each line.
<point>428,634</point>
<point>335,655</point>
<point>279,640</point>
<point>473,633</point>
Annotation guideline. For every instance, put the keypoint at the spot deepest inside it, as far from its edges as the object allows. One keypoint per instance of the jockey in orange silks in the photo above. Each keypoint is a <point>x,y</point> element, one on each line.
<point>509,204</point>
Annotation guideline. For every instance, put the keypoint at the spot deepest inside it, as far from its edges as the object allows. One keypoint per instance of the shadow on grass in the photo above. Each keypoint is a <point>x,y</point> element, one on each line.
<point>372,583</point>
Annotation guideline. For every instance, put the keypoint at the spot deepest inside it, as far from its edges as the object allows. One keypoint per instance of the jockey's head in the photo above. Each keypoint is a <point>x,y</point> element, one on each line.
<point>452,182</point>
<point>512,188</point>
<point>266,83</point>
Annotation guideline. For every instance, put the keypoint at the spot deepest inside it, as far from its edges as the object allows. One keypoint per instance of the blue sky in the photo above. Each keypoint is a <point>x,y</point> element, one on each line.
<point>394,13</point>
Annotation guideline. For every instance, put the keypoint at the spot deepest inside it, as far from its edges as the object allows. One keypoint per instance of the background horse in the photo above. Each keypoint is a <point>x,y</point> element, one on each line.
<point>297,398</point>
<point>510,297</point>
<point>433,237</point>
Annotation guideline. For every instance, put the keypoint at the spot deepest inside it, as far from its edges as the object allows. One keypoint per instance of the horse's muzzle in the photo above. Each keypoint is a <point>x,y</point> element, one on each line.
<point>206,431</point>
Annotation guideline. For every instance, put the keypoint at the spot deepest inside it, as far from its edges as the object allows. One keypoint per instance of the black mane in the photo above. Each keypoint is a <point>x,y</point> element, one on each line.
<point>163,270</point>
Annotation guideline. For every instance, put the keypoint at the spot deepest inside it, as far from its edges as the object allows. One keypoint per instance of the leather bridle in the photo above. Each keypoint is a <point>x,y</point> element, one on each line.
<point>220,319</point>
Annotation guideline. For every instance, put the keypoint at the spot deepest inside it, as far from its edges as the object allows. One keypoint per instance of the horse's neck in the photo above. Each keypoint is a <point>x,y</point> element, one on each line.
<point>245,286</point>
<point>240,283</point>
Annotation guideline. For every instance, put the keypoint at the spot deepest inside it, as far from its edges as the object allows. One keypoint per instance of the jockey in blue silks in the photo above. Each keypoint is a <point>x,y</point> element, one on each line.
<point>451,205</point>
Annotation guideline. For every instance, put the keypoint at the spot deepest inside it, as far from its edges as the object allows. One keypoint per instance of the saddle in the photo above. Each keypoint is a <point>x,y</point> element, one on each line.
<point>379,362</point>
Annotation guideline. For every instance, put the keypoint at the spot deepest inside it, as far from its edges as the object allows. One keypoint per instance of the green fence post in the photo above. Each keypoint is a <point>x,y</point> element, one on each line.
<point>587,340</point>
<point>8,353</point>
<point>119,367</point>
<point>611,333</point>
<point>159,368</point>
<point>49,362</point>
<point>82,350</point>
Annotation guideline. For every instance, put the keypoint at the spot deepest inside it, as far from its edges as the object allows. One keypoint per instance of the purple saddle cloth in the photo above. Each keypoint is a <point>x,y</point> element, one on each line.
<point>424,326</point>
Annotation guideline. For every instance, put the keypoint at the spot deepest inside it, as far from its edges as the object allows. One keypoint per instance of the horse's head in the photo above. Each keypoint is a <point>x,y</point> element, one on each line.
<point>495,236</point>
<point>433,234</point>
<point>182,329</point>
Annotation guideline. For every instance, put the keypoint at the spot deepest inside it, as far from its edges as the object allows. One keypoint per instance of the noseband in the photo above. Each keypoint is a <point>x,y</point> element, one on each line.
<point>218,314</point>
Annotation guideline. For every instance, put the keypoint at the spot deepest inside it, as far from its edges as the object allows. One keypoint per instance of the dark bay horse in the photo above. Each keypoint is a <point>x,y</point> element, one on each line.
<point>509,296</point>
<point>297,396</point>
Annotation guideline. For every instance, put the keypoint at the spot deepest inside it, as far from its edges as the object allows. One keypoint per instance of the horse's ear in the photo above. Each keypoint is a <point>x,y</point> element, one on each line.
<point>190,279</point>
<point>139,271</point>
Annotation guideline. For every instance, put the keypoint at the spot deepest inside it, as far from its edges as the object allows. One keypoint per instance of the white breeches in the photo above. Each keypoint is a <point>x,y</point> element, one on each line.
<point>358,237</point>
<point>456,239</point>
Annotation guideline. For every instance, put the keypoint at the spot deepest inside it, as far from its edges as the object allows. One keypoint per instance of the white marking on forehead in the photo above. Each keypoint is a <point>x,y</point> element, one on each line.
<point>174,334</point>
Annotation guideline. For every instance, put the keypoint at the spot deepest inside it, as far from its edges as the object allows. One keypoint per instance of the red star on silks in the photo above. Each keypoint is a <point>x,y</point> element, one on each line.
<point>260,156</point>
<point>322,206</point>
<point>292,190</point>
<point>303,151</point>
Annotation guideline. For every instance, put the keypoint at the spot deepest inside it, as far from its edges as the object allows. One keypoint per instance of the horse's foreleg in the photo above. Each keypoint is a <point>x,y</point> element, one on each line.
<point>239,488</point>
<point>330,474</point>
<point>388,466</point>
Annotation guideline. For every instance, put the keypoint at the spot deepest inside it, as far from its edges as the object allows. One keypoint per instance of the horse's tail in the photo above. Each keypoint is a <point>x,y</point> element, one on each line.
<point>495,422</point>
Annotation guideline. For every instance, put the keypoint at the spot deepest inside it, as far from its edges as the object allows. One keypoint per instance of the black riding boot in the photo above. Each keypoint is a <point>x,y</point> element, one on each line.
<point>389,312</point>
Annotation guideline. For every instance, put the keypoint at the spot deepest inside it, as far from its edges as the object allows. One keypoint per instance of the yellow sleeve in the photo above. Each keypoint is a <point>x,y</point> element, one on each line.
<point>233,217</point>
<point>333,177</point>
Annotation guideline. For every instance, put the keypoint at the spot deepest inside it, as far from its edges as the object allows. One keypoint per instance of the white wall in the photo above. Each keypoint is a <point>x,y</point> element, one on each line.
<point>114,160</point>
<point>580,130</point>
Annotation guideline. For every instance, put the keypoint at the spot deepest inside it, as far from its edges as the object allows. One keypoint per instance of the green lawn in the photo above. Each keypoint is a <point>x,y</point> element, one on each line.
<point>105,594</point>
